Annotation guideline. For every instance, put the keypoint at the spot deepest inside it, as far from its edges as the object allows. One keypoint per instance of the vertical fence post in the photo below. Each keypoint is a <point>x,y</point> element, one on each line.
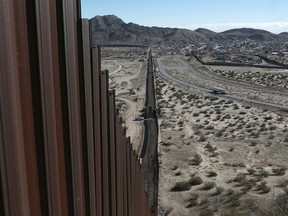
<point>89,116</point>
<point>96,65</point>
<point>70,17</point>
<point>112,152</point>
<point>129,175</point>
<point>50,101</point>
<point>125,177</point>
<point>104,141</point>
<point>119,165</point>
<point>17,144</point>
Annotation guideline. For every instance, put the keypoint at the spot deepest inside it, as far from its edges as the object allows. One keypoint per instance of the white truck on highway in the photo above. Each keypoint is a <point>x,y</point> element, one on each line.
<point>218,90</point>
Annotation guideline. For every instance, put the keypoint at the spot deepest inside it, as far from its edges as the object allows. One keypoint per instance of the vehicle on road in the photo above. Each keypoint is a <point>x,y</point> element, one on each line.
<point>138,118</point>
<point>218,90</point>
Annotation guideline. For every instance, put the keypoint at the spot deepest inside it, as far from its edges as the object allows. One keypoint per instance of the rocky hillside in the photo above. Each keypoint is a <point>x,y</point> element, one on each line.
<point>253,34</point>
<point>112,30</point>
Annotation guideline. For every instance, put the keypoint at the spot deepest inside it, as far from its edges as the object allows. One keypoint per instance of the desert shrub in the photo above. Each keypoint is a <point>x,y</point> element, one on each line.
<point>180,123</point>
<point>251,171</point>
<point>208,185</point>
<point>231,124</point>
<point>203,111</point>
<point>196,160</point>
<point>266,118</point>
<point>235,200</point>
<point>222,101</point>
<point>198,126</point>
<point>279,171</point>
<point>230,192</point>
<point>263,173</point>
<point>238,164</point>
<point>210,148</point>
<point>240,178</point>
<point>206,122</point>
<point>202,138</point>
<point>219,133</point>
<point>178,173</point>
<point>219,190</point>
<point>209,127</point>
<point>248,184</point>
<point>279,206</point>
<point>206,212</point>
<point>253,143</point>
<point>214,154</point>
<point>273,127</point>
<point>193,200</point>
<point>213,98</point>
<point>218,112</point>
<point>235,107</point>
<point>227,116</point>
<point>212,174</point>
<point>195,180</point>
<point>282,183</point>
<point>263,187</point>
<point>181,186</point>
<point>204,201</point>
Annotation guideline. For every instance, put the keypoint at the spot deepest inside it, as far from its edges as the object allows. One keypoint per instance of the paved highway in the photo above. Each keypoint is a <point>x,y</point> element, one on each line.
<point>164,73</point>
<point>218,79</point>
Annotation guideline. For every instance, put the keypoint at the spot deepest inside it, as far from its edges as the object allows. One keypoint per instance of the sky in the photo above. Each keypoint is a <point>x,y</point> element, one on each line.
<point>216,15</point>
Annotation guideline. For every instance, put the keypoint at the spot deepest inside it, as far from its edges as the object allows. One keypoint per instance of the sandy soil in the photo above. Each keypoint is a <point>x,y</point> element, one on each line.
<point>127,75</point>
<point>218,156</point>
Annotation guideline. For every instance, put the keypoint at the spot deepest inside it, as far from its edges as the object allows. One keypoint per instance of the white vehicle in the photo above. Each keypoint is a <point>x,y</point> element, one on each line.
<point>217,90</point>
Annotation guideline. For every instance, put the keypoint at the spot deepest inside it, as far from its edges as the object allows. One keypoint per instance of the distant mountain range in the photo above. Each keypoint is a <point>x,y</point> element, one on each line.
<point>110,29</point>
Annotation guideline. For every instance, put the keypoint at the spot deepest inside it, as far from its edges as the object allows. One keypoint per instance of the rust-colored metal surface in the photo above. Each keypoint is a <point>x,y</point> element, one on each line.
<point>12,145</point>
<point>89,114</point>
<point>112,152</point>
<point>104,142</point>
<point>63,147</point>
<point>71,19</point>
<point>125,181</point>
<point>97,127</point>
<point>119,165</point>
<point>129,176</point>
<point>59,148</point>
<point>48,97</point>
<point>26,107</point>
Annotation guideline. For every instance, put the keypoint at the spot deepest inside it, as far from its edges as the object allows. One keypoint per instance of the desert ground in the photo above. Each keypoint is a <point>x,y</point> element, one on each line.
<point>218,156</point>
<point>127,76</point>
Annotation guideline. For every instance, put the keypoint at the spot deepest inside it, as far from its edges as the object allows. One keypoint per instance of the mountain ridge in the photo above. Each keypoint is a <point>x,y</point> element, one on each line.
<point>110,29</point>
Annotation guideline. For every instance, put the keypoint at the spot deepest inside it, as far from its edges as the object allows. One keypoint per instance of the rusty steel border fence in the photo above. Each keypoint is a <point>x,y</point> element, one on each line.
<point>63,147</point>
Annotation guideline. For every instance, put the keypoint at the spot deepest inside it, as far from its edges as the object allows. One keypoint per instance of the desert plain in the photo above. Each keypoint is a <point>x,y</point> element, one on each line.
<point>217,155</point>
